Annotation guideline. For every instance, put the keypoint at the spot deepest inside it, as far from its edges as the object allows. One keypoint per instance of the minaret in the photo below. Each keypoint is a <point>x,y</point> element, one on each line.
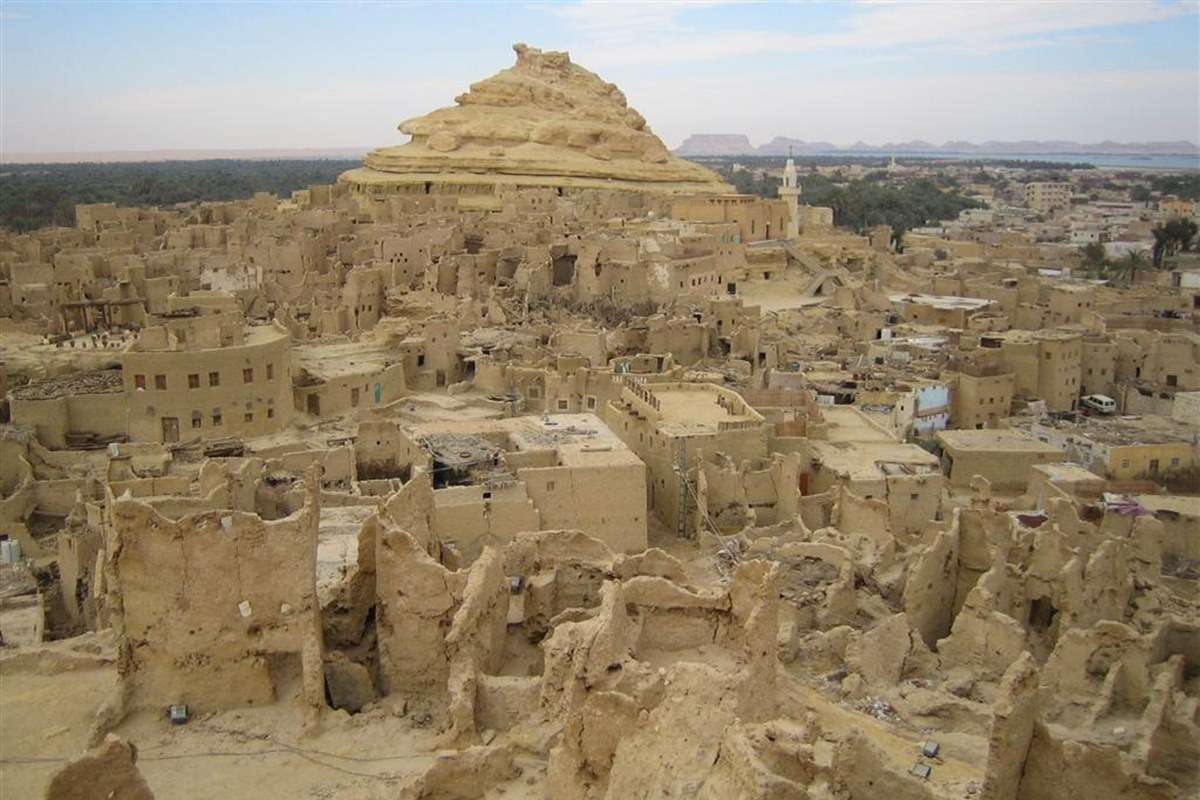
<point>790,191</point>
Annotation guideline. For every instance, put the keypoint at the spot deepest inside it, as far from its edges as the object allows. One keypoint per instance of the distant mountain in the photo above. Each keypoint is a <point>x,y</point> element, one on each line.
<point>781,145</point>
<point>716,144</point>
<point>730,144</point>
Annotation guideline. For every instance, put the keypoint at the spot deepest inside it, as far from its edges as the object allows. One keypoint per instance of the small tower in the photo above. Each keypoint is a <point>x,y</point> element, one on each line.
<point>790,191</point>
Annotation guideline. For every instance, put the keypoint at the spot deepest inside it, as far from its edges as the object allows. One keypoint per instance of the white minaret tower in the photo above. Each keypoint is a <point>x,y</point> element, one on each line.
<point>790,191</point>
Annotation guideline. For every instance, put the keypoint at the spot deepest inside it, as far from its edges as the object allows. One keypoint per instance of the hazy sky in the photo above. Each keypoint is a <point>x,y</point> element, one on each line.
<point>119,76</point>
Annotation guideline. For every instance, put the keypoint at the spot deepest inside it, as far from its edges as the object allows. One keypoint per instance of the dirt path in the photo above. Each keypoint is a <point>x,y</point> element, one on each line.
<point>46,712</point>
<point>45,716</point>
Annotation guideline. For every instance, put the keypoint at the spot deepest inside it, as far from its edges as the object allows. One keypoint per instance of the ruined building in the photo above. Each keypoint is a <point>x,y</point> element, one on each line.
<point>529,461</point>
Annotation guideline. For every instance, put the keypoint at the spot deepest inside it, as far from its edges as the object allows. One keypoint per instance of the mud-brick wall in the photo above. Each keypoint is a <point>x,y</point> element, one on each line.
<point>426,613</point>
<point>215,610</point>
<point>1007,470</point>
<point>241,390</point>
<point>383,445</point>
<point>53,419</point>
<point>50,419</point>
<point>914,501</point>
<point>101,414</point>
<point>607,502</point>
<point>469,516</point>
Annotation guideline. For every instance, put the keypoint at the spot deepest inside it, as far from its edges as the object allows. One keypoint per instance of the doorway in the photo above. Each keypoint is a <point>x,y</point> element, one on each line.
<point>170,429</point>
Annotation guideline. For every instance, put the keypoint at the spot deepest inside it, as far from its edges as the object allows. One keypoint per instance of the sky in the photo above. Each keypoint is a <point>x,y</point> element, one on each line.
<point>89,76</point>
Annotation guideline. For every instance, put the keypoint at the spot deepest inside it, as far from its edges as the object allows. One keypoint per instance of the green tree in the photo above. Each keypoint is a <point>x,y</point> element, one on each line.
<point>1183,233</point>
<point>1186,186</point>
<point>1161,242</point>
<point>1140,193</point>
<point>36,195</point>
<point>1171,237</point>
<point>1094,255</point>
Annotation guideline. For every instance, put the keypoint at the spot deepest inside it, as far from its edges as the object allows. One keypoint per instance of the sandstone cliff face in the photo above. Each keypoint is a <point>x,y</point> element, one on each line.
<point>543,121</point>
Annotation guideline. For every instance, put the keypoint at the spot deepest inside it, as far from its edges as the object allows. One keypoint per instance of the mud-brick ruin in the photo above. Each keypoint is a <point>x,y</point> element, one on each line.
<point>530,461</point>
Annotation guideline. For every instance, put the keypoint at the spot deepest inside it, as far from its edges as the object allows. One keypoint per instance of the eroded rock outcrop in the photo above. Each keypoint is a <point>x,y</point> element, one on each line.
<point>542,122</point>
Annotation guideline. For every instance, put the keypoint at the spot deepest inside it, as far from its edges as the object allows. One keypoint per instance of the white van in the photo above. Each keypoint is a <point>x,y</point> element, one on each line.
<point>1101,403</point>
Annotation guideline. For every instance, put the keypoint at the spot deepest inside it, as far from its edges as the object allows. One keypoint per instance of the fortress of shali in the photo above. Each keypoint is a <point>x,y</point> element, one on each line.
<point>529,460</point>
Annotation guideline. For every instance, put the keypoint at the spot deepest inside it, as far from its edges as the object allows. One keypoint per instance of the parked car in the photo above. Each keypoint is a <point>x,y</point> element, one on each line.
<point>1100,403</point>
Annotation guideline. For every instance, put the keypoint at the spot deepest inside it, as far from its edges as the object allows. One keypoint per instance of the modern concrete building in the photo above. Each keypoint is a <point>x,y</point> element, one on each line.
<point>1046,196</point>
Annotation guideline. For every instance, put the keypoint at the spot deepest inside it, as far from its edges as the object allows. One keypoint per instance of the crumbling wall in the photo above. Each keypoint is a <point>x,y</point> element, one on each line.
<point>984,638</point>
<point>616,710</point>
<point>17,485</point>
<point>1014,715</point>
<point>1062,766</point>
<point>416,599</point>
<point>475,641</point>
<point>560,571</point>
<point>436,626</point>
<point>932,584</point>
<point>217,609</point>
<point>889,652</point>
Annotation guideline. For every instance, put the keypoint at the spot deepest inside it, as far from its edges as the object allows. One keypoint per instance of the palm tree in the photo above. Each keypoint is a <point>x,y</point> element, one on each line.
<point>1126,269</point>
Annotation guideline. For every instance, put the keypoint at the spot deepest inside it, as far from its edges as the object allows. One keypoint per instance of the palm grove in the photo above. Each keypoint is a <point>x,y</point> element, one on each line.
<point>1170,238</point>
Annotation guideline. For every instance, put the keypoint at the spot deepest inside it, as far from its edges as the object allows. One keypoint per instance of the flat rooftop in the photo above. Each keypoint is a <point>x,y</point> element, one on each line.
<point>331,361</point>
<point>1185,506</point>
<point>1022,336</point>
<point>923,342</point>
<point>946,301</point>
<point>690,408</point>
<point>1128,430</point>
<point>874,460</point>
<point>996,440</point>
<point>1066,471</point>
<point>581,440</point>
<point>850,424</point>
